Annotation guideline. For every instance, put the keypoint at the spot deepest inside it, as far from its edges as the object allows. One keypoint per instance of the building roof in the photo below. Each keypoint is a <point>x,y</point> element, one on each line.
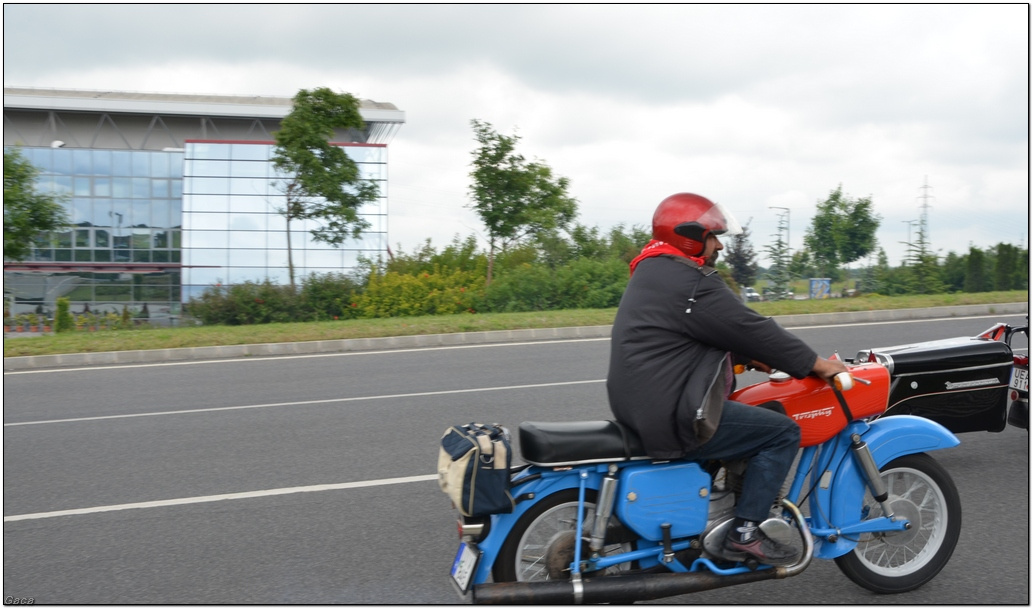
<point>174,103</point>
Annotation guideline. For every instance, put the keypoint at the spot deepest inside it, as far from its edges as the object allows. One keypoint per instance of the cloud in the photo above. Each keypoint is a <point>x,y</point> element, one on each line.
<point>752,105</point>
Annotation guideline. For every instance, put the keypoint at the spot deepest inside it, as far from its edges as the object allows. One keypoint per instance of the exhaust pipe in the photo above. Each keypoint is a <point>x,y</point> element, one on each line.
<point>621,589</point>
<point>626,589</point>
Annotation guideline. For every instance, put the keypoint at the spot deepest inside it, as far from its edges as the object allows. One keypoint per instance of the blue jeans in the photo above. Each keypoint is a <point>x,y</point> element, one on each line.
<point>768,439</point>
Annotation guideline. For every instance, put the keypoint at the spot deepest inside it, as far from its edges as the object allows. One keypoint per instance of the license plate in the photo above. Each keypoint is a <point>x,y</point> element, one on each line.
<point>1020,379</point>
<point>464,567</point>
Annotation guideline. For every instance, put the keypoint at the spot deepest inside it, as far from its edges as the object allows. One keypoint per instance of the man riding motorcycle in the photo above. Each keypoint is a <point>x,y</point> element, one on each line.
<point>678,331</point>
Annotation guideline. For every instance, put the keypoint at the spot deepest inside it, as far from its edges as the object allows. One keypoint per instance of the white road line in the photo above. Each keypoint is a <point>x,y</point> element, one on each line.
<point>304,403</point>
<point>226,497</point>
<point>263,358</point>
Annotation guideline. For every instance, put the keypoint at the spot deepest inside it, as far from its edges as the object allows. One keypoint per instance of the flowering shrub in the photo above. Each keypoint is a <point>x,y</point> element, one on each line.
<point>328,296</point>
<point>245,303</point>
<point>438,292</point>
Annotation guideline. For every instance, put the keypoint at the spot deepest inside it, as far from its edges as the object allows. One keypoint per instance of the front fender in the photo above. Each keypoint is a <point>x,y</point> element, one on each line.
<point>905,434</point>
<point>502,524</point>
<point>887,439</point>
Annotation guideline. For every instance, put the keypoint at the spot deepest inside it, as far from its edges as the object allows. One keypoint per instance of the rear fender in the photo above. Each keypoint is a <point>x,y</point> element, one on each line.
<point>502,524</point>
<point>887,438</point>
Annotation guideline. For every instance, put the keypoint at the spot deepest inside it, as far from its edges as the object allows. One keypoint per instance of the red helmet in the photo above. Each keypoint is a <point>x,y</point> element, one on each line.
<point>684,220</point>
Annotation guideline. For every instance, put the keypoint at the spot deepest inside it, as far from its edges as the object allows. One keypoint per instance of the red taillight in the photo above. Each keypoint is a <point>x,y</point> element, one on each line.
<point>1020,360</point>
<point>994,333</point>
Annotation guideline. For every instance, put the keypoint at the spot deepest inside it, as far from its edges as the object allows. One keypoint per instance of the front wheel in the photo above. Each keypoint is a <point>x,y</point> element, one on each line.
<point>922,491</point>
<point>541,545</point>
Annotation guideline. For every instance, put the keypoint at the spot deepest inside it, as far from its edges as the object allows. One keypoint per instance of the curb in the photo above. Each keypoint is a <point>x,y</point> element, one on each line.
<point>467,338</point>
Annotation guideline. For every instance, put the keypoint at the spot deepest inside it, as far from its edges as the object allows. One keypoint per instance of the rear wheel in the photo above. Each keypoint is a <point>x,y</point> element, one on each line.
<point>921,490</point>
<point>541,545</point>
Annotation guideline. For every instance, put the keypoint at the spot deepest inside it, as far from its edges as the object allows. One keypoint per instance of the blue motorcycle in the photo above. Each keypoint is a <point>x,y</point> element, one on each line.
<point>595,520</point>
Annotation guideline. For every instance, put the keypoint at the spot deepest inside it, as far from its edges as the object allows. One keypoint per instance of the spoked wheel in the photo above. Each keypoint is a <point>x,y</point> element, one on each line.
<point>541,545</point>
<point>921,491</point>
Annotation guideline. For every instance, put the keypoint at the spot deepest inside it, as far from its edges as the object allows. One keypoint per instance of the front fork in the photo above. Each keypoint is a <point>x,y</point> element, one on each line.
<point>863,456</point>
<point>820,527</point>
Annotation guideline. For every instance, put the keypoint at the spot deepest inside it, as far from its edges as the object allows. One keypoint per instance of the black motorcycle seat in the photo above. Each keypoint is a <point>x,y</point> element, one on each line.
<point>577,442</point>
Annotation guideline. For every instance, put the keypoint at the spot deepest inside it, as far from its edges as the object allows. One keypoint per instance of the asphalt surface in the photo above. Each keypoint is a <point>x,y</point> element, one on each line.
<point>309,479</point>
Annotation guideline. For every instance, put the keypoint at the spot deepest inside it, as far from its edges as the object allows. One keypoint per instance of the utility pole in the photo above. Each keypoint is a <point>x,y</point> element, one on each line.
<point>924,218</point>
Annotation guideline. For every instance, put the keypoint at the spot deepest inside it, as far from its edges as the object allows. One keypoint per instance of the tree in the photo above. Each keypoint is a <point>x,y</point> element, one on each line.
<point>27,213</point>
<point>800,264</point>
<point>320,182</point>
<point>778,252</point>
<point>954,271</point>
<point>514,198</point>
<point>842,231</point>
<point>977,279</point>
<point>1005,266</point>
<point>626,243</point>
<point>1021,277</point>
<point>741,258</point>
<point>925,271</point>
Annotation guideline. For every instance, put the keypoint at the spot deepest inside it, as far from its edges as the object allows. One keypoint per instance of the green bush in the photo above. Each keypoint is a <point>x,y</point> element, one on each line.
<point>439,292</point>
<point>63,320</point>
<point>328,296</point>
<point>581,284</point>
<point>245,303</point>
<point>593,284</point>
<point>524,288</point>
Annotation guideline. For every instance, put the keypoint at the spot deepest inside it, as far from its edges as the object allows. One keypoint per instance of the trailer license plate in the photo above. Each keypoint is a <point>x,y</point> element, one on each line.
<point>1020,379</point>
<point>464,566</point>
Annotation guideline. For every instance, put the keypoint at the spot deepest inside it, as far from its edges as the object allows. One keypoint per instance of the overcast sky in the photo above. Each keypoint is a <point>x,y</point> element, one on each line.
<point>753,106</point>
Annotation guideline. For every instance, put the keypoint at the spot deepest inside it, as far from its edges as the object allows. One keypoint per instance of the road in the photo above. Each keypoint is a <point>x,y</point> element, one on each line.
<point>309,480</point>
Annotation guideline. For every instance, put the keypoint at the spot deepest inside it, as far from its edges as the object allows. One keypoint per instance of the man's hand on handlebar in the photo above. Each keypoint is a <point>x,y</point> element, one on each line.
<point>828,368</point>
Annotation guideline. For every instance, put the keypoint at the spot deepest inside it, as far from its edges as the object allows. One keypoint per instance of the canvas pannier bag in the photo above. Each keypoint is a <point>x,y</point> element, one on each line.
<point>473,468</point>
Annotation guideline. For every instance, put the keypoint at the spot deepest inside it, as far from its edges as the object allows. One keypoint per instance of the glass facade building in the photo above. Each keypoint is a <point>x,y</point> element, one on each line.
<point>125,207</point>
<point>160,209</point>
<point>233,231</point>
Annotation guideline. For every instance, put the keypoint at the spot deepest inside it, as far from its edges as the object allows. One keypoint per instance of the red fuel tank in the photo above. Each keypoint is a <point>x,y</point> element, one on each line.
<point>811,403</point>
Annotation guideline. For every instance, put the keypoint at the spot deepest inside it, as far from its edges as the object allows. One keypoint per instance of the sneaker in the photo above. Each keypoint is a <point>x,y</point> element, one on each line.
<point>763,549</point>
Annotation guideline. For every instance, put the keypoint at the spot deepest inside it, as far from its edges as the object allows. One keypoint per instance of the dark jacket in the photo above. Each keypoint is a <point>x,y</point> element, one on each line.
<point>676,324</point>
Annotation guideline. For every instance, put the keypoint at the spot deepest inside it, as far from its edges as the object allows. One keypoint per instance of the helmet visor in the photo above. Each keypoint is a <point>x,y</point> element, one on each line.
<point>720,221</point>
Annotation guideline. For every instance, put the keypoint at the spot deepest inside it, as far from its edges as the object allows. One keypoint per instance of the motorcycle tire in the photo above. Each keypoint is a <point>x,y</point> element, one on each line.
<point>542,540</point>
<point>922,491</point>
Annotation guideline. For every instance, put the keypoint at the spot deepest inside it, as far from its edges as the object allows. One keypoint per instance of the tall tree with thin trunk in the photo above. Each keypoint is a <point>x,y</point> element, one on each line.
<point>515,198</point>
<point>319,180</point>
<point>27,212</point>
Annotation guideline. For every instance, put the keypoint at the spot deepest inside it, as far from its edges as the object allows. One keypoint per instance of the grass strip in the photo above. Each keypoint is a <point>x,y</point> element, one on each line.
<point>156,337</point>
